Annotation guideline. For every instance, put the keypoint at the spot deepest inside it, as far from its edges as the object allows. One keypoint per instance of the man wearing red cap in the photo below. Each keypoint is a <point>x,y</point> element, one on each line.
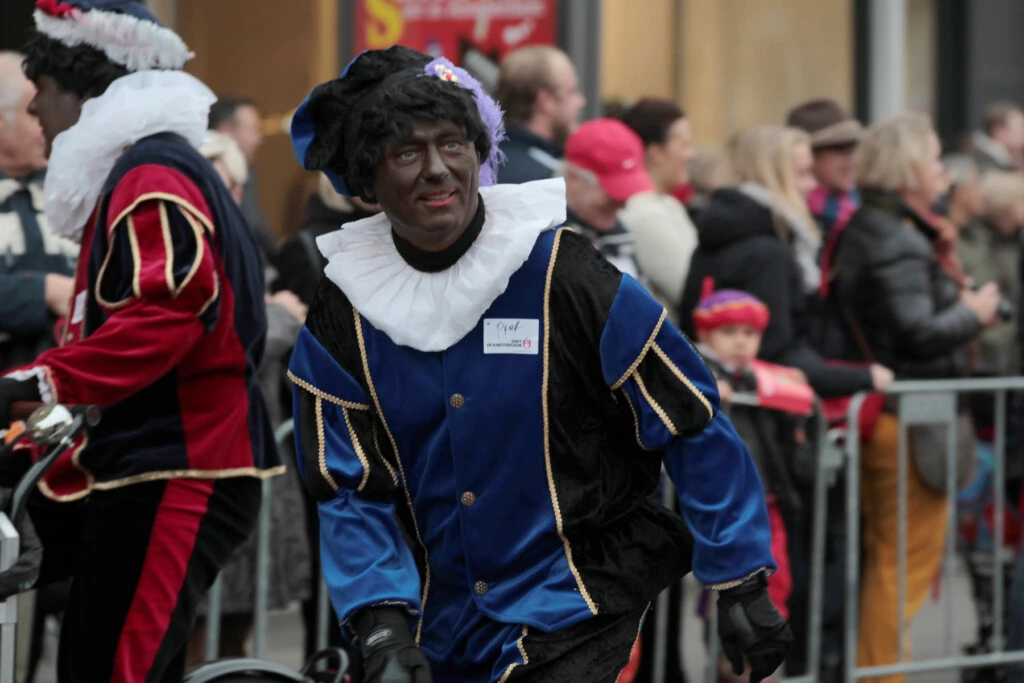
<point>604,168</point>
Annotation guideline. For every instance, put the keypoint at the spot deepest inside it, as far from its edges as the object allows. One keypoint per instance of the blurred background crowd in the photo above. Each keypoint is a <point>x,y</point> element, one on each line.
<point>855,168</point>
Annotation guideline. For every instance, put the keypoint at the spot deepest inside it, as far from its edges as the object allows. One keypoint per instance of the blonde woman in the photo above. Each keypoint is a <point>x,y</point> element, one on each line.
<point>913,316</point>
<point>990,252</point>
<point>758,236</point>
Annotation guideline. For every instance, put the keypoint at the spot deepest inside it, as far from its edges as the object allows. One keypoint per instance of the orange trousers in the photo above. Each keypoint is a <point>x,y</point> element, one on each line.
<point>880,637</point>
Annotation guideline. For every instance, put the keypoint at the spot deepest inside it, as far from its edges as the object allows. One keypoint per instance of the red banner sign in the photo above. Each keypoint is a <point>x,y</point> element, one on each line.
<point>451,28</point>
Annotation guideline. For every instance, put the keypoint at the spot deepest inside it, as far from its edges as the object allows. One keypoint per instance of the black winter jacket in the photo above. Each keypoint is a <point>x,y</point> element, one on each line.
<point>906,306</point>
<point>740,248</point>
<point>298,272</point>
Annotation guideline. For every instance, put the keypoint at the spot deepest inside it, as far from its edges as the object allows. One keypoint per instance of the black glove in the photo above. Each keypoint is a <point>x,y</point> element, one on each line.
<point>751,627</point>
<point>24,573</point>
<point>390,654</point>
<point>12,390</point>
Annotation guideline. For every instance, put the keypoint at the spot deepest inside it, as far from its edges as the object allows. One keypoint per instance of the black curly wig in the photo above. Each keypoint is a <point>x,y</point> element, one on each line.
<point>381,96</point>
<point>82,70</point>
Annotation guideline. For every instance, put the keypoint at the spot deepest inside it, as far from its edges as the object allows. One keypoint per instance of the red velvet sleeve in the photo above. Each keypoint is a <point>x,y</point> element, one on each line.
<point>157,284</point>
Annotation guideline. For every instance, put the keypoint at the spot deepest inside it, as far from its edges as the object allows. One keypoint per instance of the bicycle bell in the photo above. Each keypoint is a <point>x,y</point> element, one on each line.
<point>49,424</point>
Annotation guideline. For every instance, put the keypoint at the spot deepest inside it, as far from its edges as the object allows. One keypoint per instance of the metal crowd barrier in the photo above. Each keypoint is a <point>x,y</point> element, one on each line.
<point>9,541</point>
<point>828,463</point>
<point>927,402</point>
<point>282,435</point>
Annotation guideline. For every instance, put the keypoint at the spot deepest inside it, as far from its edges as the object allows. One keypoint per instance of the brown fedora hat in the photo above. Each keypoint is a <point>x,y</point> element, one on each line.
<point>828,124</point>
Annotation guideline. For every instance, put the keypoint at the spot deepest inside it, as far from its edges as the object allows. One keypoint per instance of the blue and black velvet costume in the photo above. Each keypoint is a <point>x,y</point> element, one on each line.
<point>475,488</point>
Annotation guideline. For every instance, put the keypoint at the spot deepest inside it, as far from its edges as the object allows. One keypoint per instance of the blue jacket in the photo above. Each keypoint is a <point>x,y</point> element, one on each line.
<point>511,474</point>
<point>527,156</point>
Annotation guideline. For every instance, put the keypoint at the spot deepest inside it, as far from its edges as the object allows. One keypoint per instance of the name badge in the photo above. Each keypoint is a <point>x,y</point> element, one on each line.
<point>511,335</point>
<point>78,315</point>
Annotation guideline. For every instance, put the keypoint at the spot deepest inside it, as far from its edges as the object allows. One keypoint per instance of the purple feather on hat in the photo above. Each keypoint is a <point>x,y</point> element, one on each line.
<point>490,113</point>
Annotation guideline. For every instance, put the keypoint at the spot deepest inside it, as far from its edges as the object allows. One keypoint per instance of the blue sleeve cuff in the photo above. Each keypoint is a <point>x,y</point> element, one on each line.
<point>366,562</point>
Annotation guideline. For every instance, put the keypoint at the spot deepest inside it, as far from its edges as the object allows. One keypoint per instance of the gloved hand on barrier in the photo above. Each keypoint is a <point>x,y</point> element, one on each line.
<point>750,627</point>
<point>390,654</point>
<point>24,573</point>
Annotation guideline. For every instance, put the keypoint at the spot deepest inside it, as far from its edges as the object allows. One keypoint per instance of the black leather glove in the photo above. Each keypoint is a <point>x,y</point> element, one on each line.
<point>390,654</point>
<point>12,390</point>
<point>751,627</point>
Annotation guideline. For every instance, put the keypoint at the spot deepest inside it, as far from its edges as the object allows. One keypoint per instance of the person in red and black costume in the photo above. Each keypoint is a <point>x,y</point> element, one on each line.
<point>166,329</point>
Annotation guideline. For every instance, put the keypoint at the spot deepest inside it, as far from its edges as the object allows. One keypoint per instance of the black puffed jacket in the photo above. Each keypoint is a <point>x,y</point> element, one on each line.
<point>906,306</point>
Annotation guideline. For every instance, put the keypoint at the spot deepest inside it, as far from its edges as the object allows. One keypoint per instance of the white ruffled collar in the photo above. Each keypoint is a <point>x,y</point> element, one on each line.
<point>135,106</point>
<point>433,311</point>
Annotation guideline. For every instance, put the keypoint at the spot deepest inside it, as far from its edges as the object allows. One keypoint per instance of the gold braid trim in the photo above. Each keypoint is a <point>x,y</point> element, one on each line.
<point>547,433</point>
<point>685,380</point>
<point>357,447</point>
<point>398,459</point>
<point>166,474</point>
<point>321,444</point>
<point>655,405</point>
<point>319,393</point>
<point>522,653</point>
<point>636,419</point>
<point>642,354</point>
<point>732,584</point>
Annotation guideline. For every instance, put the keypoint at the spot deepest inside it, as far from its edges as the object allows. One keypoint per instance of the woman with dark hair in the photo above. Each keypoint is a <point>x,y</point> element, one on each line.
<point>665,237</point>
<point>483,408</point>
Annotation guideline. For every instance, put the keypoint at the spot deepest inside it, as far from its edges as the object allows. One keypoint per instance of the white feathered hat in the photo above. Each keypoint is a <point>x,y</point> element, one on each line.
<point>125,31</point>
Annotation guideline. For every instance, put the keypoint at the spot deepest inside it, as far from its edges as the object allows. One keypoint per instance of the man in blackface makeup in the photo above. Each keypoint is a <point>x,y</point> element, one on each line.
<point>485,406</point>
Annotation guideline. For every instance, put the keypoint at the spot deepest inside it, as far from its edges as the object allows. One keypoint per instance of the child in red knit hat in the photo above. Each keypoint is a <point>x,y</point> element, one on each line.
<point>730,325</point>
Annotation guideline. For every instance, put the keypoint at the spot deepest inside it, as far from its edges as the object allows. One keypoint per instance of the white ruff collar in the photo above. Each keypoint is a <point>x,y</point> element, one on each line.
<point>433,311</point>
<point>135,106</point>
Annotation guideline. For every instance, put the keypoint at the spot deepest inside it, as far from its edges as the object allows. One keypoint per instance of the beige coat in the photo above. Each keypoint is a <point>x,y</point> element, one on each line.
<point>665,239</point>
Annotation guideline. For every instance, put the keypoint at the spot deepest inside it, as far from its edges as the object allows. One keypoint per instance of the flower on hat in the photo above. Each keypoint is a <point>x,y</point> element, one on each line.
<point>445,74</point>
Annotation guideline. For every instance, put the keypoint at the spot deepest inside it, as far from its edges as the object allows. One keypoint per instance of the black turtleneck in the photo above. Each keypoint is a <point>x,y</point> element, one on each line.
<point>436,261</point>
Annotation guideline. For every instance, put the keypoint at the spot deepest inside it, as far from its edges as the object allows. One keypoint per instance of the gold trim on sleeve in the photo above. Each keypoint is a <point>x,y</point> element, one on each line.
<point>133,240</point>
<point>165,229</point>
<point>357,447</point>
<point>358,320</point>
<point>522,653</point>
<point>642,354</point>
<point>684,379</point>
<point>732,584</point>
<point>197,230</point>
<point>547,431</point>
<point>325,396</point>
<point>167,197</point>
<point>321,444</point>
<point>636,418</point>
<point>655,405</point>
<point>136,265</point>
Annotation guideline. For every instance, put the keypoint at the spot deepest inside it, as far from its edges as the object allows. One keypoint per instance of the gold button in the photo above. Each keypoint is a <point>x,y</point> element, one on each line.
<point>457,401</point>
<point>468,498</point>
<point>480,587</point>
